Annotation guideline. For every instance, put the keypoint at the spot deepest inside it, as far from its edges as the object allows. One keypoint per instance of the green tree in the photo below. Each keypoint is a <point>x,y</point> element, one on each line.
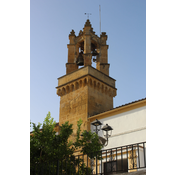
<point>46,148</point>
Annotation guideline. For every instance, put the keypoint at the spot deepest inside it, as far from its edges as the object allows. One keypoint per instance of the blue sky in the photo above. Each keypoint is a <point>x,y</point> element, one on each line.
<point>50,24</point>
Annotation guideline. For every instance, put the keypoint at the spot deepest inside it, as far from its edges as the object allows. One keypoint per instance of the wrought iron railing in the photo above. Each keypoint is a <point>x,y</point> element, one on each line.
<point>126,158</point>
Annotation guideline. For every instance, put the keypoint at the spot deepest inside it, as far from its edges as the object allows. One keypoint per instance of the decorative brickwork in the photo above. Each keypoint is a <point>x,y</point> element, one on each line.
<point>89,81</point>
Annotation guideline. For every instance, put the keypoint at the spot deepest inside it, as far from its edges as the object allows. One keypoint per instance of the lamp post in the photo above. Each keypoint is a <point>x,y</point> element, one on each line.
<point>108,129</point>
<point>96,124</point>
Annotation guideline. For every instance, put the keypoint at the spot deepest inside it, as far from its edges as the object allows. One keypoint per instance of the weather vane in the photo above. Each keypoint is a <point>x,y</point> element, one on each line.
<point>87,15</point>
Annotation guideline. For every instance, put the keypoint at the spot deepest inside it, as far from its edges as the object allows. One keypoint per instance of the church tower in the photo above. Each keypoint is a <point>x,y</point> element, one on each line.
<point>85,91</point>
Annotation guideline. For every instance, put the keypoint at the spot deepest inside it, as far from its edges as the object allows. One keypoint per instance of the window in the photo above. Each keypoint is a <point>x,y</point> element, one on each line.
<point>110,167</point>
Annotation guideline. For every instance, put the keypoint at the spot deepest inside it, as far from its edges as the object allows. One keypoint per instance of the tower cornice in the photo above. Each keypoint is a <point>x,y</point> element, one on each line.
<point>85,71</point>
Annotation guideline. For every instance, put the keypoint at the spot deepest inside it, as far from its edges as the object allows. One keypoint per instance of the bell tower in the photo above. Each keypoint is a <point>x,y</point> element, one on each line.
<point>86,45</point>
<point>85,91</point>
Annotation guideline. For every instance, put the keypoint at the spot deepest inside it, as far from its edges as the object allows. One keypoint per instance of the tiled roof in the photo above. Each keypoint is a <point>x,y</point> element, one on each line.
<point>130,103</point>
<point>123,105</point>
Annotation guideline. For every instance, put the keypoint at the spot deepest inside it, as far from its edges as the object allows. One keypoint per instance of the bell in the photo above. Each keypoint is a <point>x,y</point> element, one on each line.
<point>80,60</point>
<point>94,53</point>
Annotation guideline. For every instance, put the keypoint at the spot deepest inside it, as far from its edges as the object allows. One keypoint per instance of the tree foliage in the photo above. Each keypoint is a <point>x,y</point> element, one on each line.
<point>47,147</point>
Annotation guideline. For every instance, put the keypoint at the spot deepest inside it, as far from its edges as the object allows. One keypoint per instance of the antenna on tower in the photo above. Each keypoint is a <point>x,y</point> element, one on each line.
<point>100,17</point>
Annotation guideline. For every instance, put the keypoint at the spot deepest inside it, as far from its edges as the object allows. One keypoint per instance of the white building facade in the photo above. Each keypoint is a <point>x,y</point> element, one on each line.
<point>127,142</point>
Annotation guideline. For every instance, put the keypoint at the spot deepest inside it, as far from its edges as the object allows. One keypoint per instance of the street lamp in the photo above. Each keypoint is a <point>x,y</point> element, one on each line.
<point>108,129</point>
<point>96,124</point>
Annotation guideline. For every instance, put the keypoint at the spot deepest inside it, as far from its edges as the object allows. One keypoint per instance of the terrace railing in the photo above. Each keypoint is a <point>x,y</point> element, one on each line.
<point>126,158</point>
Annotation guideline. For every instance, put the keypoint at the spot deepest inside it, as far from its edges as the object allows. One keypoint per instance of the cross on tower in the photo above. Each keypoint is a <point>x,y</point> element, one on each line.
<point>87,15</point>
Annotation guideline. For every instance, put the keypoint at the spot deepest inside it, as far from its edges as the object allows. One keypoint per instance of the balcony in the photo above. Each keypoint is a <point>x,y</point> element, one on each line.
<point>125,159</point>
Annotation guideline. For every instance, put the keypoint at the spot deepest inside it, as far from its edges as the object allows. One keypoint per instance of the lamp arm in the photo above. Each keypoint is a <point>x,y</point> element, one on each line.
<point>106,142</point>
<point>107,136</point>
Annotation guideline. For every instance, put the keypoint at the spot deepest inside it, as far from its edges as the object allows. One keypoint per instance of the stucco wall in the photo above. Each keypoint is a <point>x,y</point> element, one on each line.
<point>128,127</point>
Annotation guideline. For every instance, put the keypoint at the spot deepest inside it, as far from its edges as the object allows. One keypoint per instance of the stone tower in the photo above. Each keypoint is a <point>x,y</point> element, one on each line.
<point>85,91</point>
